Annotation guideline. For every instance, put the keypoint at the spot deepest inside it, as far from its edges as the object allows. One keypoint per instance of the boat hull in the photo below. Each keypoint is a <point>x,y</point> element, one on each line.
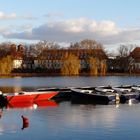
<point>45,96</point>
<point>32,105</point>
<point>125,97</point>
<point>30,97</point>
<point>19,98</point>
<point>92,97</point>
<point>3,101</point>
<point>63,93</point>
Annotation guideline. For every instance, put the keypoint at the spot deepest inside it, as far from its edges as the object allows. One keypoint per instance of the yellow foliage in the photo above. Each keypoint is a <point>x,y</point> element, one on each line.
<point>71,65</point>
<point>6,65</point>
<point>93,66</point>
<point>103,67</point>
<point>97,66</point>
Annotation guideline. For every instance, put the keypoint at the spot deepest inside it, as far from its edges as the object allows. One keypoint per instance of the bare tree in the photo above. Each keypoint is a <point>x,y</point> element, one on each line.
<point>86,44</point>
<point>123,57</point>
<point>124,50</point>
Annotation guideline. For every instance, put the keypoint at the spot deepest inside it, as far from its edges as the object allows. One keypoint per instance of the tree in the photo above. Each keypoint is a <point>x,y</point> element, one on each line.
<point>86,44</point>
<point>71,65</point>
<point>93,66</point>
<point>103,67</point>
<point>6,64</point>
<point>124,50</point>
<point>123,57</point>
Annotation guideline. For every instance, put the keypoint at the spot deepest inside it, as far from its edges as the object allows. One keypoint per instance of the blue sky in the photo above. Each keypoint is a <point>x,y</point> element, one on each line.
<point>111,22</point>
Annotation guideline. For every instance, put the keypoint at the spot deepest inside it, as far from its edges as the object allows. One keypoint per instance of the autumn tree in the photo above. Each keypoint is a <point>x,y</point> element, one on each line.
<point>6,65</point>
<point>103,67</point>
<point>71,65</point>
<point>93,66</point>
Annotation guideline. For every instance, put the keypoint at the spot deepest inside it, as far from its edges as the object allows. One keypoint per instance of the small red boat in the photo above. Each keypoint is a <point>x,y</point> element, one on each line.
<point>32,105</point>
<point>46,103</point>
<point>30,96</point>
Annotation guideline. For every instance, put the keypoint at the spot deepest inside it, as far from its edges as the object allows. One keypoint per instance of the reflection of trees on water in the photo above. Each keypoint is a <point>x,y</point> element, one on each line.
<point>15,89</point>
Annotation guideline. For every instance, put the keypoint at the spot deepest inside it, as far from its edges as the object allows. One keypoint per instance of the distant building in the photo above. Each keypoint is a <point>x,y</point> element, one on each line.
<point>135,59</point>
<point>52,59</point>
<point>18,54</point>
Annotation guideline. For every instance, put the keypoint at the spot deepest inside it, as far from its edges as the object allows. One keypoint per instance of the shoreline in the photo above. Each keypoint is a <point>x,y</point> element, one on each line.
<point>58,74</point>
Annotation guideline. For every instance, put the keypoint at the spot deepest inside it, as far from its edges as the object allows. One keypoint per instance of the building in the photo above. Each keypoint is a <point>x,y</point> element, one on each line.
<point>52,59</point>
<point>18,54</point>
<point>135,60</point>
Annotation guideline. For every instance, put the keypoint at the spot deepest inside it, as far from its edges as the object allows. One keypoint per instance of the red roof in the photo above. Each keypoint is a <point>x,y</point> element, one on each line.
<point>135,53</point>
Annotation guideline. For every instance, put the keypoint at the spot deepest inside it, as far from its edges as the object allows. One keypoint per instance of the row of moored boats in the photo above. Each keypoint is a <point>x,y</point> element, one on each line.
<point>107,93</point>
<point>100,94</point>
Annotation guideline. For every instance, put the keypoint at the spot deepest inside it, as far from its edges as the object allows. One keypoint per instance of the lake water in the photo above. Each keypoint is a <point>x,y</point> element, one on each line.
<point>68,121</point>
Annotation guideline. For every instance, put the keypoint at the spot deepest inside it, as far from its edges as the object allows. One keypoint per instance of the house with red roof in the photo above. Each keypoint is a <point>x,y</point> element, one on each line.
<point>135,59</point>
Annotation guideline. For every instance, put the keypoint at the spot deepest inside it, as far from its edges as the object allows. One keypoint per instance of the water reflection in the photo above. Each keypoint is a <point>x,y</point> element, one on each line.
<point>17,115</point>
<point>69,120</point>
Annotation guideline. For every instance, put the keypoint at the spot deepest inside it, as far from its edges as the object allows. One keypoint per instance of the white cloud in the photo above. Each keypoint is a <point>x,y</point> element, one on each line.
<point>54,14</point>
<point>20,28</point>
<point>5,30</point>
<point>4,16</point>
<point>73,30</point>
<point>7,16</point>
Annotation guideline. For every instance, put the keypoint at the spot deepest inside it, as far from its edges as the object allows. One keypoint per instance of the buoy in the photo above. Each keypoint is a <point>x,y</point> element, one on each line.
<point>25,122</point>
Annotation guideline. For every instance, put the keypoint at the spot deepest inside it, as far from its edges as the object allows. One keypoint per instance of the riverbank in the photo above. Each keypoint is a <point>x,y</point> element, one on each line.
<point>58,74</point>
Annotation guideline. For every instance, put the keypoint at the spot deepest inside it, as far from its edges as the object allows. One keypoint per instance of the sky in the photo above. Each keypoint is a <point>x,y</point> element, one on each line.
<point>110,22</point>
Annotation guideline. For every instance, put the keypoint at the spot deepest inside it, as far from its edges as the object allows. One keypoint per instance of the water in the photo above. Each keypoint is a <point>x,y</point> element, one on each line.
<point>68,81</point>
<point>68,121</point>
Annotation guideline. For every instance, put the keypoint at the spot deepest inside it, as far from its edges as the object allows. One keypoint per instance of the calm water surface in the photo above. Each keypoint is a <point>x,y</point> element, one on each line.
<point>68,121</point>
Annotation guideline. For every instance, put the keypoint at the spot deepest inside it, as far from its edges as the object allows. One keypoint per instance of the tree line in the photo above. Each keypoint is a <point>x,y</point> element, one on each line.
<point>96,63</point>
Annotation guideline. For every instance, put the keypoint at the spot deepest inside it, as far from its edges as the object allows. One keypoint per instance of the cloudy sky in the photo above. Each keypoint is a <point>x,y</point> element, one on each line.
<point>110,22</point>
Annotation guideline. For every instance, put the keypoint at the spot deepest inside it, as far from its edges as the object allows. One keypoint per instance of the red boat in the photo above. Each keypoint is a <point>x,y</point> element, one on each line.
<point>30,96</point>
<point>46,103</point>
<point>32,105</point>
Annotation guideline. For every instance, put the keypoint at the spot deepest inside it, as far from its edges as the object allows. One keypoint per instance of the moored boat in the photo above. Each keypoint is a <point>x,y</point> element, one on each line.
<point>108,89</point>
<point>29,96</point>
<point>32,105</point>
<point>126,93</point>
<point>105,89</point>
<point>92,95</point>
<point>63,92</point>
<point>136,88</point>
